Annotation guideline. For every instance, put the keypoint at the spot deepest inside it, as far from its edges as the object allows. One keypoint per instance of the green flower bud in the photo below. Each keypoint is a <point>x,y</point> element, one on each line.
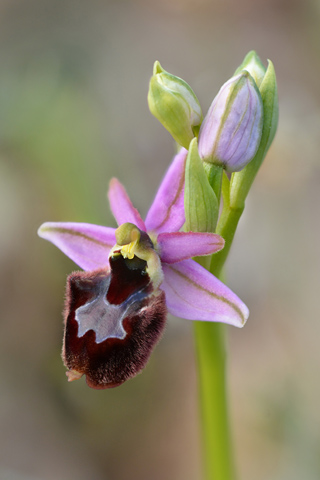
<point>172,101</point>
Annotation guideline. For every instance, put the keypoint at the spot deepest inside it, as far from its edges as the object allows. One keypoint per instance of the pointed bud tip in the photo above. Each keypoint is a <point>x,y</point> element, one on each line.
<point>193,145</point>
<point>157,68</point>
<point>253,64</point>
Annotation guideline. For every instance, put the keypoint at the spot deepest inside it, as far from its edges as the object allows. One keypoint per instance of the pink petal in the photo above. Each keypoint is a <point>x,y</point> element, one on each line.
<point>121,206</point>
<point>166,213</point>
<point>194,293</point>
<point>86,244</point>
<point>178,246</point>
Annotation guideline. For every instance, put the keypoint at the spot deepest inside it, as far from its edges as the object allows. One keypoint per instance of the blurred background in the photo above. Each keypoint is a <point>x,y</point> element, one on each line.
<point>73,113</point>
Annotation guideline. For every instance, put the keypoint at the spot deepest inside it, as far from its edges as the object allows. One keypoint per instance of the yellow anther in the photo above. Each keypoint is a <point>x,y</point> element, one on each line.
<point>127,251</point>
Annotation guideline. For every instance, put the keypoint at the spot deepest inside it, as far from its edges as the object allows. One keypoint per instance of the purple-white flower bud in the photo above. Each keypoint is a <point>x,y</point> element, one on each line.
<point>231,131</point>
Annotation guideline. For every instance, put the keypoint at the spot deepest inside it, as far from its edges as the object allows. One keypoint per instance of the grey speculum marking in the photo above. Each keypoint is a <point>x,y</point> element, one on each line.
<point>104,318</point>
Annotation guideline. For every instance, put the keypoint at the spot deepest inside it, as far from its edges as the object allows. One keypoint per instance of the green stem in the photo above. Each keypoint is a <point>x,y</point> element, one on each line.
<point>210,341</point>
<point>210,337</point>
<point>226,227</point>
<point>211,354</point>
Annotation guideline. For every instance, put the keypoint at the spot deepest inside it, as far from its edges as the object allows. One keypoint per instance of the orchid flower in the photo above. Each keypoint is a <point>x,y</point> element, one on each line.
<point>116,310</point>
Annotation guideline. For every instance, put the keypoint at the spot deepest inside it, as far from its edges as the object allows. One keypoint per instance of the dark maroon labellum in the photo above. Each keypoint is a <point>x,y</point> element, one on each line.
<point>113,320</point>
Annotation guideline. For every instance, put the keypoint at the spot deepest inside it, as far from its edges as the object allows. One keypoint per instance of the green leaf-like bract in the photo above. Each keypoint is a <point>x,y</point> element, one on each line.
<point>200,201</point>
